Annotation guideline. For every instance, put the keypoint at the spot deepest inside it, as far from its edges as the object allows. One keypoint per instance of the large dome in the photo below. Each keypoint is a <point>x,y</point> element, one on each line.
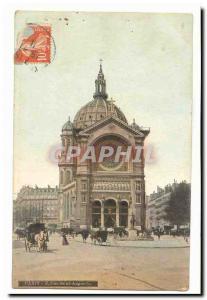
<point>99,107</point>
<point>96,110</point>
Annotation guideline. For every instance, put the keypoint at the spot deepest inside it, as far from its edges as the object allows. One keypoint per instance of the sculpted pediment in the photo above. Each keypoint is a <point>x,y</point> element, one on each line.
<point>112,124</point>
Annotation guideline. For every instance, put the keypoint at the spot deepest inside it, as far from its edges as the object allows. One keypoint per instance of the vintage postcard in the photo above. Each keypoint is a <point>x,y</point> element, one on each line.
<point>102,150</point>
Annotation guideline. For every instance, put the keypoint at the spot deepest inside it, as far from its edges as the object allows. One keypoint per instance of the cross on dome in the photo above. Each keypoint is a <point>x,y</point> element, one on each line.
<point>100,60</point>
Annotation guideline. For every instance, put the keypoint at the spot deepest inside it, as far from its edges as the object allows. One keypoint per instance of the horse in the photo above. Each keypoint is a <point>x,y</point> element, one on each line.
<point>120,232</point>
<point>95,237</point>
<point>20,233</point>
<point>29,240</point>
<point>85,235</point>
<point>99,236</point>
<point>41,240</point>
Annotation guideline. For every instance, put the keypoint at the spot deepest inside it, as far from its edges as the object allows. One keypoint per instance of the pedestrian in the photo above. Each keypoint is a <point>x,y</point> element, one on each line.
<point>158,235</point>
<point>64,240</point>
<point>46,235</point>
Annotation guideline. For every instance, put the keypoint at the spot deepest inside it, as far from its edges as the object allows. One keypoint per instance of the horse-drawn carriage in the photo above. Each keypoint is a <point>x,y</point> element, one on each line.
<point>36,236</point>
<point>99,236</point>
<point>120,232</point>
<point>20,233</point>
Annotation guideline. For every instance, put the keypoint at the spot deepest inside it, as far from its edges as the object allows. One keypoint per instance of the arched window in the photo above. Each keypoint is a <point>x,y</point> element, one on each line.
<point>71,208</point>
<point>109,213</point>
<point>96,214</point>
<point>64,207</point>
<point>68,176</point>
<point>67,207</point>
<point>61,177</point>
<point>138,198</point>
<point>123,214</point>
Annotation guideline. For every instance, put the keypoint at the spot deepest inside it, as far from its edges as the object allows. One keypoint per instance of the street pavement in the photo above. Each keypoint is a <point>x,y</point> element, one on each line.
<point>163,242</point>
<point>136,265</point>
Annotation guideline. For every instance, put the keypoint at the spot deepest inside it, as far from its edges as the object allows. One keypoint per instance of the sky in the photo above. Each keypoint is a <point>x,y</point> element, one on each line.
<point>147,63</point>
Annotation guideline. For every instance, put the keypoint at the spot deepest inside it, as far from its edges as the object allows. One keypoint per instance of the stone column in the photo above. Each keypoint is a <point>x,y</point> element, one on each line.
<point>117,214</point>
<point>129,215</point>
<point>60,198</point>
<point>102,214</point>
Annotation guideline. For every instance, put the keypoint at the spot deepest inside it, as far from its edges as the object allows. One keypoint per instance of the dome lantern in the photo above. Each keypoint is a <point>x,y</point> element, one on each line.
<point>135,126</point>
<point>100,85</point>
<point>99,108</point>
<point>68,126</point>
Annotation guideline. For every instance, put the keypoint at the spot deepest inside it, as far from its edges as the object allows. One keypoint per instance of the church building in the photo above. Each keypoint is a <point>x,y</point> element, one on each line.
<point>106,192</point>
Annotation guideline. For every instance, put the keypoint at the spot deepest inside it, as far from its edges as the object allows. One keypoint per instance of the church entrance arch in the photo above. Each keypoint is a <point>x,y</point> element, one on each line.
<point>123,214</point>
<point>109,213</point>
<point>96,214</point>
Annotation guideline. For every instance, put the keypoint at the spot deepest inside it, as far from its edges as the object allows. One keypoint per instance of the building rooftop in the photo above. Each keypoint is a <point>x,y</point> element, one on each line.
<point>28,191</point>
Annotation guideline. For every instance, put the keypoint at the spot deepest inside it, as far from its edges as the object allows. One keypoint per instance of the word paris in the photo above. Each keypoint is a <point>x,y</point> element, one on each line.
<point>116,154</point>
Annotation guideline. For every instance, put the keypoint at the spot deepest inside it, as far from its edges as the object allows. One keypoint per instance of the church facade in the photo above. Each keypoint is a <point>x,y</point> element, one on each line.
<point>104,192</point>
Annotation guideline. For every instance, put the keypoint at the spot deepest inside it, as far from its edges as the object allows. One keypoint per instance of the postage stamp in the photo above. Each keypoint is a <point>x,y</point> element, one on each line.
<point>34,45</point>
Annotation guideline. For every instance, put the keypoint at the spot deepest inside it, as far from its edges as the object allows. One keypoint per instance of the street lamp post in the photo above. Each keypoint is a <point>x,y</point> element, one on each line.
<point>133,220</point>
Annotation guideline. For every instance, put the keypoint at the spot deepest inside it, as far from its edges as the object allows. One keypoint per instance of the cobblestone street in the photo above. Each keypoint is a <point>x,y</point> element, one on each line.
<point>121,265</point>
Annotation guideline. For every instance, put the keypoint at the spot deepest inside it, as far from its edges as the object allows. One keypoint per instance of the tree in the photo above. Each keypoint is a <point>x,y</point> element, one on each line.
<point>178,209</point>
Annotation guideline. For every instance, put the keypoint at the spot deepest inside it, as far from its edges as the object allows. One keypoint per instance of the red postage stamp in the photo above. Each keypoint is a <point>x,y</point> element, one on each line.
<point>34,45</point>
